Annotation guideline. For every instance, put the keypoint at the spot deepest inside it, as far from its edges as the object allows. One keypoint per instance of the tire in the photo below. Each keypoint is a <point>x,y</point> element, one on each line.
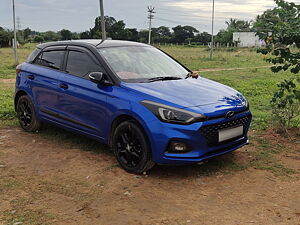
<point>26,114</point>
<point>131,148</point>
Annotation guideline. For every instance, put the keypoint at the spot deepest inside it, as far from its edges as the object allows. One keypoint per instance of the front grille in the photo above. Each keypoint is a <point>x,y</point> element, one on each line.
<point>211,132</point>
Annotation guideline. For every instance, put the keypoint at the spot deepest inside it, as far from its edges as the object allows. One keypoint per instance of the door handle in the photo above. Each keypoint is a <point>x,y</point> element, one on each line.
<point>30,77</point>
<point>64,86</point>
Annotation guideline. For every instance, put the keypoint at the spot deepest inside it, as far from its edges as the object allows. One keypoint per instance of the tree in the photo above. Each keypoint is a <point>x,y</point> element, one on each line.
<point>26,33</point>
<point>65,34</point>
<point>280,28</point>
<point>235,25</point>
<point>224,36</point>
<point>51,36</point>
<point>134,34</point>
<point>38,39</point>
<point>85,35</point>
<point>161,34</point>
<point>203,38</point>
<point>143,36</point>
<point>182,33</point>
<point>5,37</point>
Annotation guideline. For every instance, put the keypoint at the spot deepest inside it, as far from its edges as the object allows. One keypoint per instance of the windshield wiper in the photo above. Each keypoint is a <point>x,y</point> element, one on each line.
<point>190,74</point>
<point>153,79</point>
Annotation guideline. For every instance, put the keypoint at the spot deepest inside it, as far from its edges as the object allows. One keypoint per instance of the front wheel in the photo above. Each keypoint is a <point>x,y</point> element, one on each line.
<point>26,114</point>
<point>131,148</point>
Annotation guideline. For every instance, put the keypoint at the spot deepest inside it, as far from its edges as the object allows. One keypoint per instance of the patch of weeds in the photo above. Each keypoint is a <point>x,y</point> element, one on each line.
<point>33,217</point>
<point>276,168</point>
<point>254,70</point>
<point>108,168</point>
<point>9,123</point>
<point>8,183</point>
<point>226,164</point>
<point>69,188</point>
<point>265,158</point>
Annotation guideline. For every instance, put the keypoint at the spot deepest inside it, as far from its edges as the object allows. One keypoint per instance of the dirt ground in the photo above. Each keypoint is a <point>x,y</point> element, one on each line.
<point>49,181</point>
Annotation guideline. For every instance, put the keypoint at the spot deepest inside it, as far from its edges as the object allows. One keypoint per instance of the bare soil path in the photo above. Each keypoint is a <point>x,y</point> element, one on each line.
<point>231,69</point>
<point>49,181</point>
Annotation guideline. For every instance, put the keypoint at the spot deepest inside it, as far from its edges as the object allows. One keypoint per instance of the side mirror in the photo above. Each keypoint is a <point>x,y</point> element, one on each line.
<point>96,77</point>
<point>99,78</point>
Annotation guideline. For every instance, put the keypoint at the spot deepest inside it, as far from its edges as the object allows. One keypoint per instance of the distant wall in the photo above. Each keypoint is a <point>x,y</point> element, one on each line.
<point>247,39</point>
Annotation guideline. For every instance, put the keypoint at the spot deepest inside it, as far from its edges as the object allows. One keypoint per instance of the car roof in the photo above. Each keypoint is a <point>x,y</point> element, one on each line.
<point>93,42</point>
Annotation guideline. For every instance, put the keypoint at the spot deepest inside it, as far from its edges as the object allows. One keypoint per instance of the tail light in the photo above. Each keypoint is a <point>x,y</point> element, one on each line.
<point>18,69</point>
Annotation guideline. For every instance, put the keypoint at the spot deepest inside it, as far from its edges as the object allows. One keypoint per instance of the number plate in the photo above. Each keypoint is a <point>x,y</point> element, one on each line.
<point>228,134</point>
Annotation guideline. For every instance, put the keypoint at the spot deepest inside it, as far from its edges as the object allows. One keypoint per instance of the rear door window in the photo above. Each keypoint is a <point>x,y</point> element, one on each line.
<point>33,55</point>
<point>51,59</point>
<point>81,64</point>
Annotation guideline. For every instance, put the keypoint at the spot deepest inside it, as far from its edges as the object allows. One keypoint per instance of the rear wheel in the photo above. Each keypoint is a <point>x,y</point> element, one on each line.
<point>131,148</point>
<point>26,114</point>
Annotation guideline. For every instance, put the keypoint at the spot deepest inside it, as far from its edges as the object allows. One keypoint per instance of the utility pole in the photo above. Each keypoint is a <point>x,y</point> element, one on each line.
<point>15,33</point>
<point>150,17</point>
<point>212,30</point>
<point>103,31</point>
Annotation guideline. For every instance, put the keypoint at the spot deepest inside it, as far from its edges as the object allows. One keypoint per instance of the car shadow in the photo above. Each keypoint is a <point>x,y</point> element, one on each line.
<point>221,164</point>
<point>75,140</point>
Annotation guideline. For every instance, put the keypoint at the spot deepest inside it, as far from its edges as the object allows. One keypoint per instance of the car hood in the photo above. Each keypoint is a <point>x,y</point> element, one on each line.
<point>189,92</point>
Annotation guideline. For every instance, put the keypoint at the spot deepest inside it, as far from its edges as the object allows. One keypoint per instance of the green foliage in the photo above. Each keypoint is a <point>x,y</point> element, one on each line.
<point>182,33</point>
<point>286,103</point>
<point>280,28</point>
<point>65,34</point>
<point>5,37</point>
<point>233,25</point>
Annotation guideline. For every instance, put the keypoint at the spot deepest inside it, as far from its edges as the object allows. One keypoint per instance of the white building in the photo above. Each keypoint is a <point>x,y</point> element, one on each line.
<point>247,39</point>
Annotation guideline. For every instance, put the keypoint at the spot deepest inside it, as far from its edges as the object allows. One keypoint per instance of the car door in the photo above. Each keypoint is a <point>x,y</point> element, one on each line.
<point>82,102</point>
<point>43,80</point>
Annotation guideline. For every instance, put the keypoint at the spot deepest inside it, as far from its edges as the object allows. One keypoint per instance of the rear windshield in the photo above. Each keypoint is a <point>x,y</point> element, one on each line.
<point>33,55</point>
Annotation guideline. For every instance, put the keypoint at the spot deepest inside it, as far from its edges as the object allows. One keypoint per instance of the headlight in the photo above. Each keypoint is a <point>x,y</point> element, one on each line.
<point>171,114</point>
<point>245,103</point>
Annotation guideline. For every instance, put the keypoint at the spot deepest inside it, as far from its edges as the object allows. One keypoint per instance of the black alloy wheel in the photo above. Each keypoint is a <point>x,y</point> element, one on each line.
<point>131,148</point>
<point>26,114</point>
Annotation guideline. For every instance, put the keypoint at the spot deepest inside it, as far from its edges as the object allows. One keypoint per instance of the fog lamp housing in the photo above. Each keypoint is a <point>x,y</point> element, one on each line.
<point>178,147</point>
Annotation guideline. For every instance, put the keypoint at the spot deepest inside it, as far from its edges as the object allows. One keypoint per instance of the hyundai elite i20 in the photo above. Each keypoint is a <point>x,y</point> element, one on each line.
<point>143,103</point>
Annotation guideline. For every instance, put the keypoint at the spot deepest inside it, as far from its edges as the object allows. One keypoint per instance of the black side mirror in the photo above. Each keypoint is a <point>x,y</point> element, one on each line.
<point>96,77</point>
<point>100,78</point>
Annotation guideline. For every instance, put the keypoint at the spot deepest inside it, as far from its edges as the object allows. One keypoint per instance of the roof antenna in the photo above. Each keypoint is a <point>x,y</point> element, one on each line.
<point>103,31</point>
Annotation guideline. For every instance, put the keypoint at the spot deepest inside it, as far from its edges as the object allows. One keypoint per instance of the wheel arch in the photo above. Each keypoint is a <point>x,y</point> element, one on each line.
<point>125,117</point>
<point>17,96</point>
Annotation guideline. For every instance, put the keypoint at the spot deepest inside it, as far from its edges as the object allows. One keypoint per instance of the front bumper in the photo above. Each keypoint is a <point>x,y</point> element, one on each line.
<point>200,137</point>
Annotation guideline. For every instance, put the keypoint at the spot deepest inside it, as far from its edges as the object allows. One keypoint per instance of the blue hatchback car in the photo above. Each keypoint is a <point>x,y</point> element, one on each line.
<point>143,103</point>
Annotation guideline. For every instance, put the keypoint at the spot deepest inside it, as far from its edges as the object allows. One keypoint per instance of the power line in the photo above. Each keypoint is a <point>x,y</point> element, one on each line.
<point>191,15</point>
<point>150,17</point>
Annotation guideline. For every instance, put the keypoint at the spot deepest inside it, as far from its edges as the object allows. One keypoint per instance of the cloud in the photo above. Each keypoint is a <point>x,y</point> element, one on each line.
<point>79,15</point>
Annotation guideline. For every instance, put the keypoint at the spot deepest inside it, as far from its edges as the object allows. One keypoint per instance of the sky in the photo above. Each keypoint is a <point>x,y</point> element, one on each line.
<point>79,15</point>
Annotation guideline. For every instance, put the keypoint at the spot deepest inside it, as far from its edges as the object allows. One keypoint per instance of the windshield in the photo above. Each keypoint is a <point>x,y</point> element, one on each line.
<point>139,64</point>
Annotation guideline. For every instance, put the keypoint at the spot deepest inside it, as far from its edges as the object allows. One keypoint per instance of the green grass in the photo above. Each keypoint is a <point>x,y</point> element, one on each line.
<point>198,57</point>
<point>7,61</point>
<point>7,102</point>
